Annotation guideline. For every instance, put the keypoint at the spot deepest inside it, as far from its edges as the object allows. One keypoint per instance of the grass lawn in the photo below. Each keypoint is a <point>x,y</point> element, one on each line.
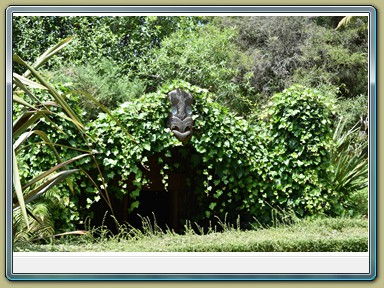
<point>321,235</point>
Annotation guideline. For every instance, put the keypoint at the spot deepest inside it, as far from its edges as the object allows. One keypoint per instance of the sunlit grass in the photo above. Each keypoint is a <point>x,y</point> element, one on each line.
<point>320,235</point>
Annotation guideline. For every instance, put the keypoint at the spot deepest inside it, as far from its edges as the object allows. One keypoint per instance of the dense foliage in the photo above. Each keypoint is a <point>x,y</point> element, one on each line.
<point>304,50</point>
<point>239,169</point>
<point>123,40</point>
<point>261,142</point>
<point>36,156</point>
<point>222,150</point>
<point>283,163</point>
<point>295,170</point>
<point>243,60</point>
<point>214,67</point>
<point>102,80</point>
<point>36,101</point>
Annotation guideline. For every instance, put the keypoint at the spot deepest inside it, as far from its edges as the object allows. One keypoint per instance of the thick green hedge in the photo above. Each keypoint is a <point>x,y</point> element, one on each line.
<point>296,129</point>
<point>240,169</point>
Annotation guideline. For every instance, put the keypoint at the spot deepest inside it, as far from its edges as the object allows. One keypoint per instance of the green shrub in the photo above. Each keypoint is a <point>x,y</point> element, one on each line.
<point>206,57</point>
<point>125,41</point>
<point>352,111</point>
<point>295,169</point>
<point>281,51</point>
<point>103,81</point>
<point>359,203</point>
<point>334,57</point>
<point>273,45</point>
<point>221,152</point>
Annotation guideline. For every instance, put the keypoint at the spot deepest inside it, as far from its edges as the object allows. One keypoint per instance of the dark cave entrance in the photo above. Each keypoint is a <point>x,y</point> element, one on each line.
<point>168,208</point>
<point>156,207</point>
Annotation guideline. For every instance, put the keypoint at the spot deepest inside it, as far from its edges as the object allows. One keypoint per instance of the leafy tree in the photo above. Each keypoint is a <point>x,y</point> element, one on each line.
<point>347,21</point>
<point>339,58</point>
<point>273,45</point>
<point>302,50</point>
<point>244,63</point>
<point>327,21</point>
<point>122,40</point>
<point>206,57</point>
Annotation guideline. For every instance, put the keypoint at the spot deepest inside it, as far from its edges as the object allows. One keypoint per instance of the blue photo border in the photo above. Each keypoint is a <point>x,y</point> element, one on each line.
<point>201,9</point>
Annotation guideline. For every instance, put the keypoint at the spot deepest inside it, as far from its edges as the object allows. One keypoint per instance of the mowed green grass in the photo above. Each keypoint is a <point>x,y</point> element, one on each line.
<point>321,235</point>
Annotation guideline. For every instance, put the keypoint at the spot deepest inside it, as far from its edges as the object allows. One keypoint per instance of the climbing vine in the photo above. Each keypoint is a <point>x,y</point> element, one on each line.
<point>240,169</point>
<point>222,150</point>
<point>295,168</point>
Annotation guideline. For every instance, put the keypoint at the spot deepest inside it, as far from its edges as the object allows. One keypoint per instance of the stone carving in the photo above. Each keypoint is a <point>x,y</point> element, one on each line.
<point>180,119</point>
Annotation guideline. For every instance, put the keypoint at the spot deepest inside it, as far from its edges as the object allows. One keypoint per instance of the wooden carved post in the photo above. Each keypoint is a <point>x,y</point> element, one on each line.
<point>180,122</point>
<point>180,119</point>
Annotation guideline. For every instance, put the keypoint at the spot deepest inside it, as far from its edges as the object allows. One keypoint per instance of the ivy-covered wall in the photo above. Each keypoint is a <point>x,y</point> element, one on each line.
<point>235,169</point>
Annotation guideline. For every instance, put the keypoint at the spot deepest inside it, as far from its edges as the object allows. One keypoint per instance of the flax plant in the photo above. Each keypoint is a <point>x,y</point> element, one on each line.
<point>349,161</point>
<point>34,110</point>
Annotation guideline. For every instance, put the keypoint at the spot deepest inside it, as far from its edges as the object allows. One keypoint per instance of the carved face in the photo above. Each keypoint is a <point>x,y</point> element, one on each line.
<point>180,119</point>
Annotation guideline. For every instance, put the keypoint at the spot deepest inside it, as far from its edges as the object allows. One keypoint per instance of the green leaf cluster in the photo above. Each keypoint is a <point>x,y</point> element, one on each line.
<point>295,168</point>
<point>206,57</point>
